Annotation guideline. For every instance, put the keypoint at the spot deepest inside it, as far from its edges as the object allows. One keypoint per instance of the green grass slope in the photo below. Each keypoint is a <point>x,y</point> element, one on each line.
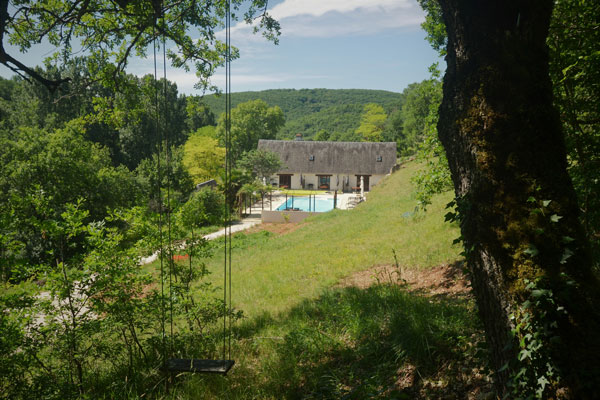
<point>272,273</point>
<point>304,337</point>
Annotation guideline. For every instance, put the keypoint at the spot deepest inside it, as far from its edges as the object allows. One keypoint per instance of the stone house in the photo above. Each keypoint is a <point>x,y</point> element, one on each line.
<point>330,165</point>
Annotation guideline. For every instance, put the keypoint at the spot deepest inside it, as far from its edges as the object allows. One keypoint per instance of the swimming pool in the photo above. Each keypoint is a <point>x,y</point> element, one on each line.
<point>302,204</point>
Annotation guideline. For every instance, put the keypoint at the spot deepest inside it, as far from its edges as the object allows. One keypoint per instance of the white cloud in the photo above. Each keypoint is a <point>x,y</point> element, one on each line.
<point>328,18</point>
<point>317,8</point>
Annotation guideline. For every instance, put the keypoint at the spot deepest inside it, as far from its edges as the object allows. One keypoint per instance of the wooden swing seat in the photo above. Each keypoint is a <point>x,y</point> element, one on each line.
<point>199,366</point>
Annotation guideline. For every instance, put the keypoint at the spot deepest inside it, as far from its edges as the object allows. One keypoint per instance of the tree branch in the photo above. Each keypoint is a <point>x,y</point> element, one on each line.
<point>14,64</point>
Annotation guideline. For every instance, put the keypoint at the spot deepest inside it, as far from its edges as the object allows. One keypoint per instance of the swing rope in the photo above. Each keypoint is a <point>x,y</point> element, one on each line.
<point>159,189</point>
<point>171,364</point>
<point>168,165</point>
<point>229,165</point>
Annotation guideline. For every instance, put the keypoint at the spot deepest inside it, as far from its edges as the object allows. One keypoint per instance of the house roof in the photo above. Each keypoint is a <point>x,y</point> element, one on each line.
<point>359,158</point>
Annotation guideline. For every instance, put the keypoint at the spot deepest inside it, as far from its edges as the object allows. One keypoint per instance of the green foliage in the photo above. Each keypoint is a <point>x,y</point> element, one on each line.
<point>435,177</point>
<point>309,111</point>
<point>434,25</point>
<point>93,329</point>
<point>202,156</point>
<point>534,373</point>
<point>575,71</point>
<point>124,122</point>
<point>250,121</point>
<point>171,174</point>
<point>322,136</point>
<point>237,179</point>
<point>394,125</point>
<point>198,115</point>
<point>113,32</point>
<point>260,163</point>
<point>41,173</point>
<point>372,123</point>
<point>136,116</point>
<point>419,113</point>
<point>205,207</point>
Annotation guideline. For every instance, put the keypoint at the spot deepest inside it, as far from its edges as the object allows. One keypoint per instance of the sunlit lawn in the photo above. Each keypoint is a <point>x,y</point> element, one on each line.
<point>273,273</point>
<point>305,337</point>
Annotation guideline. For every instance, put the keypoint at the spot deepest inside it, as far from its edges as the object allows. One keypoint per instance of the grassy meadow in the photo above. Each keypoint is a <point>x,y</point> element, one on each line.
<point>305,336</point>
<point>273,273</point>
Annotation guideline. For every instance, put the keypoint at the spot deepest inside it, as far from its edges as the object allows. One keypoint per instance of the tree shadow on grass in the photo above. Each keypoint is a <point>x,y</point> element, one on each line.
<point>380,342</point>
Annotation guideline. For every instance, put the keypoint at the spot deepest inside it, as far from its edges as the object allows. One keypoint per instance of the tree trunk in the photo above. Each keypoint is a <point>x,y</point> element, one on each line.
<point>507,156</point>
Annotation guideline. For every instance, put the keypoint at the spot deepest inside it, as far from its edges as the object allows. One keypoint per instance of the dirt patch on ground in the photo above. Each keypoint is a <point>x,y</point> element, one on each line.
<point>279,229</point>
<point>445,279</point>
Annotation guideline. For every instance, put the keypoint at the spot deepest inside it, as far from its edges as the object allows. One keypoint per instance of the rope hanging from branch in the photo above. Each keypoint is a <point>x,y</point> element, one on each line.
<point>171,364</point>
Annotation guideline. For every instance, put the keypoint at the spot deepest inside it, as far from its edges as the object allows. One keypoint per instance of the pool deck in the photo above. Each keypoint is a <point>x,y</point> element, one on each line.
<point>344,201</point>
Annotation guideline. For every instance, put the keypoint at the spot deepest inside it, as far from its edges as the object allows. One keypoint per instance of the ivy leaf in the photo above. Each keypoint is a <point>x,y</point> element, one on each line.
<point>567,239</point>
<point>504,367</point>
<point>532,251</point>
<point>523,354</point>
<point>542,382</point>
<point>555,218</point>
<point>450,217</point>
<point>536,293</point>
<point>545,203</point>
<point>566,255</point>
<point>531,199</point>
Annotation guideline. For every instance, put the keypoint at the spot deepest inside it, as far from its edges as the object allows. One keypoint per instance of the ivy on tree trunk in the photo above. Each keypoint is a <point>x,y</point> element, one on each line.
<point>518,210</point>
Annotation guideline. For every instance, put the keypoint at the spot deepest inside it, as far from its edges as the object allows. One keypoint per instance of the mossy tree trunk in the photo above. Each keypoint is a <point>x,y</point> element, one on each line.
<point>507,156</point>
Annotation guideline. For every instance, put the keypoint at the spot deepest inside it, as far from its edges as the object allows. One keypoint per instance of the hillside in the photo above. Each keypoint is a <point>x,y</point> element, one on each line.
<point>363,303</point>
<point>347,241</point>
<point>308,111</point>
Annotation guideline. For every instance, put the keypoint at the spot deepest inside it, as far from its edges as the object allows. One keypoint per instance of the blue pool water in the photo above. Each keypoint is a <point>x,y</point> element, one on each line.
<point>301,203</point>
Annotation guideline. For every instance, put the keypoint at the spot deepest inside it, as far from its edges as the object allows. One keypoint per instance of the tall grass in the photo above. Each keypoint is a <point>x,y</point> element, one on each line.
<point>355,344</point>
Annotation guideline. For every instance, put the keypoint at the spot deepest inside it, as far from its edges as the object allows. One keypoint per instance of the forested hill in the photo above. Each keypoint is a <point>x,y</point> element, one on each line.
<point>308,111</point>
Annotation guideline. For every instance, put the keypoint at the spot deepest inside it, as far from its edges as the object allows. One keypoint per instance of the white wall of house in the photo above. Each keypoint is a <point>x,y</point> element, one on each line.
<point>336,181</point>
<point>375,179</point>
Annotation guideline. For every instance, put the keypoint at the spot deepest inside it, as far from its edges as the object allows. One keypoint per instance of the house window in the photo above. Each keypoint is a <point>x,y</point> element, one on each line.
<point>311,158</point>
<point>365,179</point>
<point>324,182</point>
<point>379,159</point>
<point>285,181</point>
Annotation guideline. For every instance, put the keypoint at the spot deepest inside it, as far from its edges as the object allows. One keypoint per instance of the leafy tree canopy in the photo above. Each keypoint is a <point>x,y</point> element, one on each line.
<point>203,157</point>
<point>261,163</point>
<point>41,172</point>
<point>574,42</point>
<point>205,207</point>
<point>111,32</point>
<point>372,123</point>
<point>308,111</point>
<point>421,103</point>
<point>250,122</point>
<point>171,174</point>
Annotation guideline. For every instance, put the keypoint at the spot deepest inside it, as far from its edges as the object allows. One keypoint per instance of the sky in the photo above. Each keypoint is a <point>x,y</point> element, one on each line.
<point>334,44</point>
